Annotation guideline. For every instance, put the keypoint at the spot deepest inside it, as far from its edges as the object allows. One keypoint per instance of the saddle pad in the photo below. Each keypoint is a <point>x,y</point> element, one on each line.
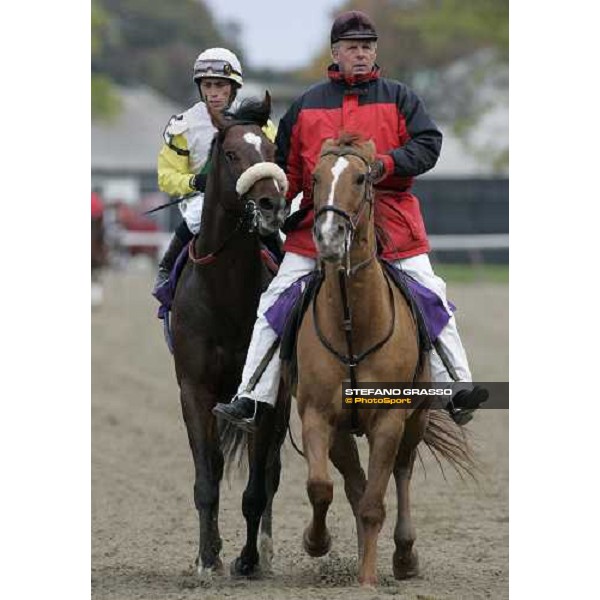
<point>427,306</point>
<point>166,292</point>
<point>431,307</point>
<point>286,314</point>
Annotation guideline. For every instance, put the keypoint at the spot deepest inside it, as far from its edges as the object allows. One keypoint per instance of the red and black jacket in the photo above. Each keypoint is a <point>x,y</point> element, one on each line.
<point>407,141</point>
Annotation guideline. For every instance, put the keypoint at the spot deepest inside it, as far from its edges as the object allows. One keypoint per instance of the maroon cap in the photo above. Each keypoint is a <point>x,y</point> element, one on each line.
<point>353,25</point>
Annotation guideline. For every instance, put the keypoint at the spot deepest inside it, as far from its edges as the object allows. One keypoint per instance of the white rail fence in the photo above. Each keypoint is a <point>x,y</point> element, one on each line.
<point>473,244</point>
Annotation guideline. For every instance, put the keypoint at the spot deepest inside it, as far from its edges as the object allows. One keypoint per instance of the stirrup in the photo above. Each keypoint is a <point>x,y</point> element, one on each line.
<point>461,416</point>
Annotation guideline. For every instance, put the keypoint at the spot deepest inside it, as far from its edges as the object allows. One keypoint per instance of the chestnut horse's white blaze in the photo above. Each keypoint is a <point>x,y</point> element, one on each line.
<point>338,168</point>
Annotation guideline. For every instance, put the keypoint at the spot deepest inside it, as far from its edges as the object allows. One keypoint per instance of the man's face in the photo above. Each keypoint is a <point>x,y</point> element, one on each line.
<point>216,92</point>
<point>355,57</point>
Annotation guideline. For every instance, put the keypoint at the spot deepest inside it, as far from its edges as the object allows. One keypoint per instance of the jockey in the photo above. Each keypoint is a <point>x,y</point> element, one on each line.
<point>182,162</point>
<point>355,99</point>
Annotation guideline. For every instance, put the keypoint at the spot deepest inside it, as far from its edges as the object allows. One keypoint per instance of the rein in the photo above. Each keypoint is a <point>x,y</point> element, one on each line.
<point>350,359</point>
<point>249,215</point>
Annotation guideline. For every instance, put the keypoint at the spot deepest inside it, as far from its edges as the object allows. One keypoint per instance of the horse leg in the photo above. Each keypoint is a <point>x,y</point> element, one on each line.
<point>208,464</point>
<point>344,456</point>
<point>316,433</point>
<point>255,497</point>
<point>281,420</point>
<point>384,440</point>
<point>406,560</point>
<point>266,522</point>
<point>265,546</point>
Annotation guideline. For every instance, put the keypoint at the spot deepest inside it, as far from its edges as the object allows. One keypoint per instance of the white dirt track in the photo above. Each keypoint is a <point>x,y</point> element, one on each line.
<point>144,524</point>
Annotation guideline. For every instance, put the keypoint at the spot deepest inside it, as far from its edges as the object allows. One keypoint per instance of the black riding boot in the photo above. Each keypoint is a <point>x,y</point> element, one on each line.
<point>243,412</point>
<point>181,237</point>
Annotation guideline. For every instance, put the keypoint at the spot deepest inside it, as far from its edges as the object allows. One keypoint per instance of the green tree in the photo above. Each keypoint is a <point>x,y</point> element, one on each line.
<point>421,35</point>
<point>155,43</point>
<point>105,101</point>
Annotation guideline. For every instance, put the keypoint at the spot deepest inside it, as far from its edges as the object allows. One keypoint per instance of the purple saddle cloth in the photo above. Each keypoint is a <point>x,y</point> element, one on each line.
<point>166,292</point>
<point>434,313</point>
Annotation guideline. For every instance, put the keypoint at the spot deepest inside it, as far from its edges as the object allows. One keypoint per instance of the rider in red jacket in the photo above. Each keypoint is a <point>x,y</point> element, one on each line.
<point>406,138</point>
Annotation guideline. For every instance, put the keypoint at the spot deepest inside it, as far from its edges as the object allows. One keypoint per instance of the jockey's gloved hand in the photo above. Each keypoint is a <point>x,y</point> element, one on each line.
<point>377,171</point>
<point>198,182</point>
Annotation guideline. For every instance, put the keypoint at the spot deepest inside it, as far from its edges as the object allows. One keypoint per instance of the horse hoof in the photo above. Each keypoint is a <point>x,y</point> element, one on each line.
<point>265,553</point>
<point>316,550</point>
<point>368,583</point>
<point>407,566</point>
<point>207,574</point>
<point>240,568</point>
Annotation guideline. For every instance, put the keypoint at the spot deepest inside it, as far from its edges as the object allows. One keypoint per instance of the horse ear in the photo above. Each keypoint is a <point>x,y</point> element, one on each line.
<point>216,116</point>
<point>267,102</point>
<point>330,143</point>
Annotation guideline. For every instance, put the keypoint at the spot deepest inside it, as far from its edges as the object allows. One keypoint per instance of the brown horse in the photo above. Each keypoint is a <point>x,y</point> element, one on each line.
<point>213,313</point>
<point>383,346</point>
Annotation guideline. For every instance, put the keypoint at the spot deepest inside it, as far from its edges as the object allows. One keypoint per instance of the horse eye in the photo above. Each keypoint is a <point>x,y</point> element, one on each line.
<point>230,155</point>
<point>360,179</point>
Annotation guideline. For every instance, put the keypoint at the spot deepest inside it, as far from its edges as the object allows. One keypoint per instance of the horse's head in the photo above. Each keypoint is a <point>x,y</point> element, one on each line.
<point>342,194</point>
<point>247,155</point>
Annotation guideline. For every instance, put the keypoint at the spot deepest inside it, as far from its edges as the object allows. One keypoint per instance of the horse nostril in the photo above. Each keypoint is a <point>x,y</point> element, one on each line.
<point>266,204</point>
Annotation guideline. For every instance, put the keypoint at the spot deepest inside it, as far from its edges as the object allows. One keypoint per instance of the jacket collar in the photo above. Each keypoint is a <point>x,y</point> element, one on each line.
<point>333,71</point>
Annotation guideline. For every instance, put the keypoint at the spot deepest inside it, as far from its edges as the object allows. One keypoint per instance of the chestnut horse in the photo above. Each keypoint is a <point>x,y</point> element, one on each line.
<point>213,314</point>
<point>355,297</point>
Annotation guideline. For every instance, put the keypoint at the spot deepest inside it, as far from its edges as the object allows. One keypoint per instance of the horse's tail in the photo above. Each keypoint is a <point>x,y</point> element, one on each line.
<point>445,439</point>
<point>234,442</point>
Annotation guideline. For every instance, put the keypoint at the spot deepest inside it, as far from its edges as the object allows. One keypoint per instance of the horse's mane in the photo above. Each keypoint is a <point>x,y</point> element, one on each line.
<point>253,110</point>
<point>349,139</point>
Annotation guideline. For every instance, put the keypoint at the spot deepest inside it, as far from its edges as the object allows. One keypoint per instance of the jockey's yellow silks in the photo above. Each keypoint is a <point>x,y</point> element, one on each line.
<point>188,137</point>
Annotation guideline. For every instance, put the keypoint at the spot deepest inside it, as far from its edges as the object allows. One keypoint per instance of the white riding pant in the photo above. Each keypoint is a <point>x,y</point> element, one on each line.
<point>295,266</point>
<point>191,210</point>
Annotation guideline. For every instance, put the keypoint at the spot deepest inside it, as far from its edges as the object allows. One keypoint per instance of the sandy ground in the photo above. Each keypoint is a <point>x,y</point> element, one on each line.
<point>144,525</point>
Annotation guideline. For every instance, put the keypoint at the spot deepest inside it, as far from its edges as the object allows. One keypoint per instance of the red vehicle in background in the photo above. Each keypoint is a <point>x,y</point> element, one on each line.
<point>131,219</point>
<point>97,236</point>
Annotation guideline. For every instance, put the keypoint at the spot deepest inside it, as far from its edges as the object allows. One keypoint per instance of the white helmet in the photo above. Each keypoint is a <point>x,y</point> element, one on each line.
<point>220,63</point>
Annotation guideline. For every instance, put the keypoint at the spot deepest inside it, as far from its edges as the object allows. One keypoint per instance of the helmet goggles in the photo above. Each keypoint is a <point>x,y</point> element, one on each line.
<point>213,68</point>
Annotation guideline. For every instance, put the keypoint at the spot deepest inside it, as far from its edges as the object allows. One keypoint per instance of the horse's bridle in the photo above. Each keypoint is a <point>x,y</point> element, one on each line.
<point>345,271</point>
<point>353,219</point>
<point>247,213</point>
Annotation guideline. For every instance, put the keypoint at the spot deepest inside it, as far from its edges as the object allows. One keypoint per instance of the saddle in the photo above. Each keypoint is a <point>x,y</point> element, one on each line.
<point>312,281</point>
